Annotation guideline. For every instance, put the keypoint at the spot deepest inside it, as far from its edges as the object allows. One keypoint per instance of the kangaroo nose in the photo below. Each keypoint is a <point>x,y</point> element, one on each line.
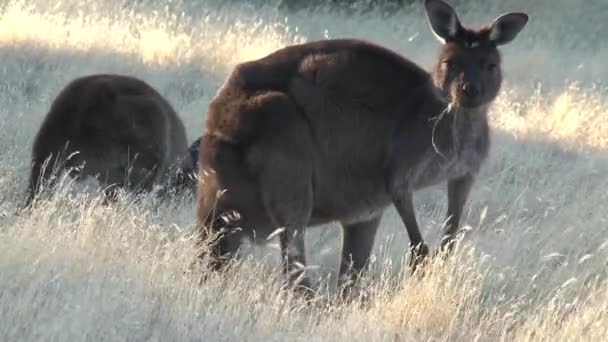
<point>470,90</point>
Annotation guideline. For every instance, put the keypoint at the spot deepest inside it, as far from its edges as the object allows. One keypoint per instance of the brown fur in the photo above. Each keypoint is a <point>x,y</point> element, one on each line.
<point>338,130</point>
<point>124,132</point>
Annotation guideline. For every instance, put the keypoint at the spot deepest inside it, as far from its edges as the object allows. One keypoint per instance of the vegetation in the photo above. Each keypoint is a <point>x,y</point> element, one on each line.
<point>531,267</point>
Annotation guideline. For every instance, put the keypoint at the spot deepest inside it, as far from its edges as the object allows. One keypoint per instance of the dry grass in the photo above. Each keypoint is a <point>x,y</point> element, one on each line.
<point>532,267</point>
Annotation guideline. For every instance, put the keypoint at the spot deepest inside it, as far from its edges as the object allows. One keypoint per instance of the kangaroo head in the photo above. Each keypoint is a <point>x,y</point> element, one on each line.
<point>192,162</point>
<point>469,65</point>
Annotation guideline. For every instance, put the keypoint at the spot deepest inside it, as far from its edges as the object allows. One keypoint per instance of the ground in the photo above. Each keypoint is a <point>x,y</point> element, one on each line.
<point>532,265</point>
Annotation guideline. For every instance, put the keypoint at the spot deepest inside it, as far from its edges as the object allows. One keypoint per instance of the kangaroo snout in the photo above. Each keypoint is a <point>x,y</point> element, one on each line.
<point>468,94</point>
<point>470,91</point>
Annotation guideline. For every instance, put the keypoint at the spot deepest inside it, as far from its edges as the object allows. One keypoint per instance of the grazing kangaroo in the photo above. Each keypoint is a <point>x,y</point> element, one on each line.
<point>338,130</point>
<point>185,178</point>
<point>116,128</point>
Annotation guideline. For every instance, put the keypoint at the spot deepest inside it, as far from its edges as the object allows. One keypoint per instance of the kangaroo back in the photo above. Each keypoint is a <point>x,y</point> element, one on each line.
<point>116,128</point>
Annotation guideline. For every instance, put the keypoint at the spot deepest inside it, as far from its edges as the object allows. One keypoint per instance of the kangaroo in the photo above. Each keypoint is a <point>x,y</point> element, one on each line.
<point>338,130</point>
<point>187,169</point>
<point>115,128</point>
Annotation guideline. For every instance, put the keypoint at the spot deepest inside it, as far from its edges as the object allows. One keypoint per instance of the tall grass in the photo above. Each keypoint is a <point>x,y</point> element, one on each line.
<point>531,267</point>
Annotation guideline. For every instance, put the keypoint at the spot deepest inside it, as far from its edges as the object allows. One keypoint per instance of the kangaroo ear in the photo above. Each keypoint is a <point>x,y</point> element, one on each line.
<point>506,27</point>
<point>443,20</point>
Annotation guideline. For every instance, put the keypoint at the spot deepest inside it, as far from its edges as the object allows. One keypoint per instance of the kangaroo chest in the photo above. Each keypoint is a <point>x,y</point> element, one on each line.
<point>456,155</point>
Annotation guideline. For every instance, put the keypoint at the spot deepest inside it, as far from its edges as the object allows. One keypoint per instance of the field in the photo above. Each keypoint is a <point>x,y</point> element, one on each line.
<point>532,266</point>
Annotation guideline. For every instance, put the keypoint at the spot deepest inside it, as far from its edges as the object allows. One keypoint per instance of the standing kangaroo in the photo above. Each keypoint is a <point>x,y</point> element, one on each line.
<point>338,130</point>
<point>117,128</point>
